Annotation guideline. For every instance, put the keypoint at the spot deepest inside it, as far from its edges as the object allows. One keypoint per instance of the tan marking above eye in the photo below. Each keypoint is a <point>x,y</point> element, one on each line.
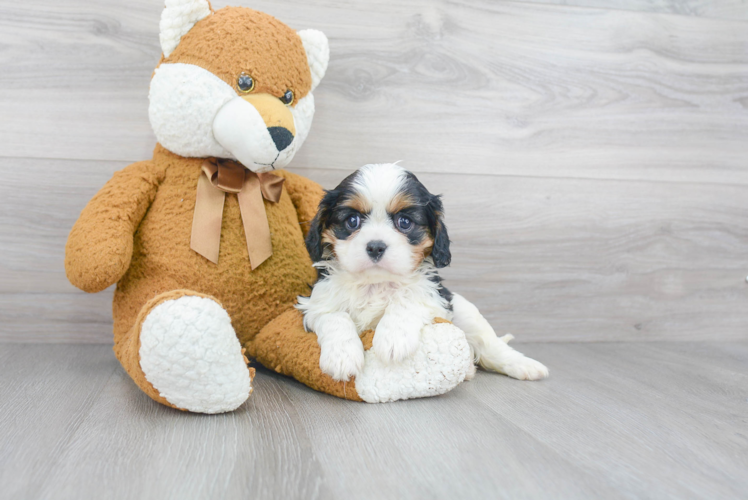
<point>400,202</point>
<point>358,203</point>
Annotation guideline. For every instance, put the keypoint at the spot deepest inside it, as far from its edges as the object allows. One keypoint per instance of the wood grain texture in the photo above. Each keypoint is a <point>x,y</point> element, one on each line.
<point>719,9</point>
<point>548,259</point>
<point>615,420</point>
<point>480,86</point>
<point>592,158</point>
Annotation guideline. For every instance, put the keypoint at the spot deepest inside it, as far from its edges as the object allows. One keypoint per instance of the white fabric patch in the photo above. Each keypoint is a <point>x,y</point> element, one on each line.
<point>317,50</point>
<point>178,17</point>
<point>438,366</point>
<point>303,113</point>
<point>184,100</point>
<point>239,128</point>
<point>190,353</point>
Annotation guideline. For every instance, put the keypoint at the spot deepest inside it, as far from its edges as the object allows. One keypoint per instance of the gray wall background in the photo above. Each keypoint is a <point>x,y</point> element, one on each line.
<point>593,154</point>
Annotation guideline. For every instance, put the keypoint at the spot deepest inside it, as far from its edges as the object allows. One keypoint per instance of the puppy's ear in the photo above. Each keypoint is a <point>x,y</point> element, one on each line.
<point>313,240</point>
<point>440,252</point>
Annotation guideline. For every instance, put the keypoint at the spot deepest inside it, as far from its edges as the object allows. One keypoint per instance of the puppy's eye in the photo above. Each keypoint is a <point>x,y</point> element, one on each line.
<point>404,224</point>
<point>245,83</point>
<point>287,98</point>
<point>352,222</point>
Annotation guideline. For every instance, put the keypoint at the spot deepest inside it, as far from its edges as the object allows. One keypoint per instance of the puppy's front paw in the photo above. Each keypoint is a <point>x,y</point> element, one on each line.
<point>342,359</point>
<point>396,341</point>
<point>524,368</point>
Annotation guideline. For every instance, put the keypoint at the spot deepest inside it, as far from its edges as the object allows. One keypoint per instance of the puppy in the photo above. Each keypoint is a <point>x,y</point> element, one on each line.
<point>377,242</point>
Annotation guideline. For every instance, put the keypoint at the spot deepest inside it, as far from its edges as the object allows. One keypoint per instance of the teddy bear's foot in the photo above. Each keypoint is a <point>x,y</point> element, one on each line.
<point>440,363</point>
<point>190,354</point>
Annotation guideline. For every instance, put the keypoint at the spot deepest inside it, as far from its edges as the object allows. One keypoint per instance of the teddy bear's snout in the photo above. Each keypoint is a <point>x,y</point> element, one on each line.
<point>282,137</point>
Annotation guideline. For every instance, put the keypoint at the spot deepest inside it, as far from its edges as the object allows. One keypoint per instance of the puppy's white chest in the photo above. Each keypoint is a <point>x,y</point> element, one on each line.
<point>369,302</point>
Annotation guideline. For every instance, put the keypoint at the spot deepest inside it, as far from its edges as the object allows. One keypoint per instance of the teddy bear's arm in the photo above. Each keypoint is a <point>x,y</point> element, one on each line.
<point>99,246</point>
<point>305,195</point>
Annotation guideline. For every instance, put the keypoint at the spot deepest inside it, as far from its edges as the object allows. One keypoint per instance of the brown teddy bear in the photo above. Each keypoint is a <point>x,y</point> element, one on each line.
<point>205,241</point>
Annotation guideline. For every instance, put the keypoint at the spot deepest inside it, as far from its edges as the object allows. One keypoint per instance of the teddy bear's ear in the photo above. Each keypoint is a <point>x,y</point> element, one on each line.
<point>178,17</point>
<point>317,53</point>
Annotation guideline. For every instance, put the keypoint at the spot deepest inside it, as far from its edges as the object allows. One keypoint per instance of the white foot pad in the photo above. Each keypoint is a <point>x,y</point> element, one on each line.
<point>190,353</point>
<point>438,366</point>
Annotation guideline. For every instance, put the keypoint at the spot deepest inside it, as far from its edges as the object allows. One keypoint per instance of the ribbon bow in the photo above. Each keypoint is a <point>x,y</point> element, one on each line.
<point>219,177</point>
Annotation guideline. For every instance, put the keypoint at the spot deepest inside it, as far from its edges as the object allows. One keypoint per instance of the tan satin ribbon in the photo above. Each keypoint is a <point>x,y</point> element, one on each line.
<point>219,177</point>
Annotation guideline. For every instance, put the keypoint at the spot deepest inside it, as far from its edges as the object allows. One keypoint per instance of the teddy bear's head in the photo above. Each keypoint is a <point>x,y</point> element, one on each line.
<point>235,83</point>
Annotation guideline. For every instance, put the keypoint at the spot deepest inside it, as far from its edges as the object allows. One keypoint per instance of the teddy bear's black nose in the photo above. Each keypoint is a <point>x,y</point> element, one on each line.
<point>282,137</point>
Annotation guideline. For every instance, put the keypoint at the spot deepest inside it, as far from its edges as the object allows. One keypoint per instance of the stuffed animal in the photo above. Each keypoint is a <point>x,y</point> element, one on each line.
<point>205,241</point>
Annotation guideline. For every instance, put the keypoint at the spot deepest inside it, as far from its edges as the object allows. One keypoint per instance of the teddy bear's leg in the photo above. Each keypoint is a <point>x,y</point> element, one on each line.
<point>183,352</point>
<point>440,363</point>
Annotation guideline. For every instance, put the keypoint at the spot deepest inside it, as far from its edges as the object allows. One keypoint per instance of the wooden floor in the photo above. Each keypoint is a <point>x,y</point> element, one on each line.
<point>615,420</point>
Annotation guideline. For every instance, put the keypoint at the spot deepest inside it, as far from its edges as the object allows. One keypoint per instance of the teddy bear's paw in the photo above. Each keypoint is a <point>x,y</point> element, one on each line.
<point>439,364</point>
<point>190,354</point>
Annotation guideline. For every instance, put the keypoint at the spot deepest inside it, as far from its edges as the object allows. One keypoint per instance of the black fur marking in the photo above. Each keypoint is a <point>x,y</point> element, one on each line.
<point>443,291</point>
<point>428,212</point>
<point>329,214</point>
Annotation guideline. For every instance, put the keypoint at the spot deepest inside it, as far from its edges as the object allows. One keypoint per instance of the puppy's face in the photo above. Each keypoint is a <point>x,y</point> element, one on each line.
<point>380,221</point>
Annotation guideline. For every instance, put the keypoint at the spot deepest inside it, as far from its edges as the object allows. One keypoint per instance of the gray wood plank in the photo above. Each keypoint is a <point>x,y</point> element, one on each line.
<point>56,317</point>
<point>615,420</point>
<point>447,447</point>
<point>46,393</point>
<point>546,259</point>
<point>130,447</point>
<point>654,423</point>
<point>448,86</point>
<point>718,9</point>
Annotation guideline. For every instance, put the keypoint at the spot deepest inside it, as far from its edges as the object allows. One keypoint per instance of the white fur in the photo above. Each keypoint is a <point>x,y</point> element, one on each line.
<point>441,362</point>
<point>317,50</point>
<point>342,354</point>
<point>395,295</point>
<point>378,184</point>
<point>190,354</point>
<point>177,18</point>
<point>397,308</point>
<point>492,352</point>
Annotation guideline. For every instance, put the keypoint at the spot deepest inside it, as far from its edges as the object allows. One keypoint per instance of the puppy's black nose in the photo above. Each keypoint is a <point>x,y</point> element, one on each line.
<point>376,249</point>
<point>281,136</point>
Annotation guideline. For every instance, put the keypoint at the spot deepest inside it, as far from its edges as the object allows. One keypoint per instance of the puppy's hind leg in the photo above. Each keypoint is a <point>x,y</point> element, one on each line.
<point>492,352</point>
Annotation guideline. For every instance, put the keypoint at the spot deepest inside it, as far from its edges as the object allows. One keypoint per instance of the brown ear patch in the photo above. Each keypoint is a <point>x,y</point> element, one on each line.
<point>238,39</point>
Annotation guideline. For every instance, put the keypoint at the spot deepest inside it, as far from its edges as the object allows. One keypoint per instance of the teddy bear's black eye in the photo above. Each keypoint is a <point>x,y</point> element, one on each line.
<point>287,98</point>
<point>245,83</point>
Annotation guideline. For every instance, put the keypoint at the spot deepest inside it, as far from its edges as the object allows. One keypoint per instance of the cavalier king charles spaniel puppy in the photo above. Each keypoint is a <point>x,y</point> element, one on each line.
<point>377,242</point>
